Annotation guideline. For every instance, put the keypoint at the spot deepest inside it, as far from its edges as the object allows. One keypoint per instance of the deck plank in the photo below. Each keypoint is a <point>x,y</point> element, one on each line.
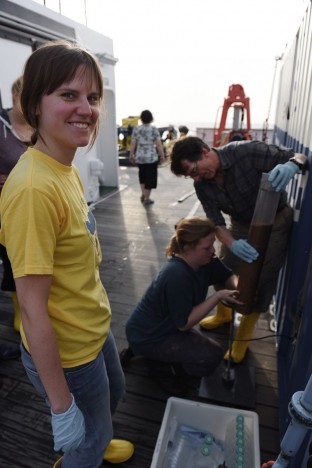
<point>133,239</point>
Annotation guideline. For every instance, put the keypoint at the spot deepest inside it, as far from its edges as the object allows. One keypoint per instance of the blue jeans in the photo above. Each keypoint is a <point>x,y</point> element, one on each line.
<point>97,387</point>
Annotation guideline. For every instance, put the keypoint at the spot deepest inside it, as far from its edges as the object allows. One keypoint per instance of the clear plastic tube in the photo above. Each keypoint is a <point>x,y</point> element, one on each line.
<point>258,236</point>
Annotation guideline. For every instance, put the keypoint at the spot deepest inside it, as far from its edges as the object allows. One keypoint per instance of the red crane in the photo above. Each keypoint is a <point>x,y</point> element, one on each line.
<point>240,130</point>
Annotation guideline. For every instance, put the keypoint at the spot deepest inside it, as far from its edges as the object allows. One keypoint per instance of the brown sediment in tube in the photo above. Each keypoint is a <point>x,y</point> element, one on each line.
<point>249,273</point>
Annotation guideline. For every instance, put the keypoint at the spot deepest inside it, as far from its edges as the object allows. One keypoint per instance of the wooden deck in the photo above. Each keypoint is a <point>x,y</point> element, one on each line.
<point>133,240</point>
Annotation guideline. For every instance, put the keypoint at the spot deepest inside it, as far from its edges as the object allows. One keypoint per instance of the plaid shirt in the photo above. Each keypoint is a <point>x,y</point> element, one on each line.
<point>242,165</point>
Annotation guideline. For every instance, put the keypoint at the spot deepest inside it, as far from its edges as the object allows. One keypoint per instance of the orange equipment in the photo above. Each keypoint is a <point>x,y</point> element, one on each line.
<point>240,103</point>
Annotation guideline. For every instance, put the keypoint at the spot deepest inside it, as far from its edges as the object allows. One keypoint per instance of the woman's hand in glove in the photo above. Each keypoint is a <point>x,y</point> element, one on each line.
<point>68,428</point>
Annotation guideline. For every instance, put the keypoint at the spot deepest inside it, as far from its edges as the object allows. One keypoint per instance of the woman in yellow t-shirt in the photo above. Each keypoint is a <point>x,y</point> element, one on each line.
<point>68,350</point>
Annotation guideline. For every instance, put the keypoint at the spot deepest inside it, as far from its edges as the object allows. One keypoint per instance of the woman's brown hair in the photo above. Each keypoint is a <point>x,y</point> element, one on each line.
<point>50,66</point>
<point>189,231</point>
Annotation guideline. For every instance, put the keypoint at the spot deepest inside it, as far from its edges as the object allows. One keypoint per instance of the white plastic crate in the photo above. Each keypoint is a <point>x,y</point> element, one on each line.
<point>204,417</point>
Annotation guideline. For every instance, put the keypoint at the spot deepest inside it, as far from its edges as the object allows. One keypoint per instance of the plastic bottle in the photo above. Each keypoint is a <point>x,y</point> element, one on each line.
<point>209,454</point>
<point>182,445</point>
<point>191,447</point>
<point>179,453</point>
<point>238,444</point>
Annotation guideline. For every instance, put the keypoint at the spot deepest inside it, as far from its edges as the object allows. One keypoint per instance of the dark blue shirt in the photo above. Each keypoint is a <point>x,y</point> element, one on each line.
<point>169,300</point>
<point>11,147</point>
<point>242,164</point>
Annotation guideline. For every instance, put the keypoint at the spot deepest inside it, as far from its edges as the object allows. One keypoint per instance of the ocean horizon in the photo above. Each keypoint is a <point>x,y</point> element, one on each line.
<point>192,126</point>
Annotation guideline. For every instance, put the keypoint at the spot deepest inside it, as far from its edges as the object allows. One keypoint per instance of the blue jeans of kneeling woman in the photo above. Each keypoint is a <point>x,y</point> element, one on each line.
<point>97,387</point>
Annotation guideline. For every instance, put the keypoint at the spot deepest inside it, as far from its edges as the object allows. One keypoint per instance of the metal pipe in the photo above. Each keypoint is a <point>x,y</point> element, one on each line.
<point>228,375</point>
<point>300,410</point>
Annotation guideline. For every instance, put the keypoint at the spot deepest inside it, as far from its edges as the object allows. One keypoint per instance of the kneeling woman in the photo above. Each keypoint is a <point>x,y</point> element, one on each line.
<point>161,326</point>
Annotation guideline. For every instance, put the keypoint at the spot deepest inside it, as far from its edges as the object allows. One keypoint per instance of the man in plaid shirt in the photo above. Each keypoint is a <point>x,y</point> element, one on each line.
<point>227,180</point>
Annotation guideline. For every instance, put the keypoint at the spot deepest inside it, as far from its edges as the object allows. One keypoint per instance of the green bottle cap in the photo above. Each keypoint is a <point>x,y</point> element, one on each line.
<point>240,442</point>
<point>239,426</point>
<point>205,451</point>
<point>208,439</point>
<point>240,450</point>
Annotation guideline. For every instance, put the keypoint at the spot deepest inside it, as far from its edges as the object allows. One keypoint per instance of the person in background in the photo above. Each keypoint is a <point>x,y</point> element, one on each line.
<point>169,140</point>
<point>183,131</point>
<point>161,327</point>
<point>146,151</point>
<point>227,180</point>
<point>15,134</point>
<point>68,350</point>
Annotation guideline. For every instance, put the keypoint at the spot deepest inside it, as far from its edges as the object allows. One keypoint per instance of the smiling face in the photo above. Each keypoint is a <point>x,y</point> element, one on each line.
<point>68,116</point>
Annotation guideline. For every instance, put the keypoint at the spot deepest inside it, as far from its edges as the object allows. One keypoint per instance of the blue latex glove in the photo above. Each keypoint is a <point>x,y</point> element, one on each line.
<point>68,428</point>
<point>243,250</point>
<point>282,174</point>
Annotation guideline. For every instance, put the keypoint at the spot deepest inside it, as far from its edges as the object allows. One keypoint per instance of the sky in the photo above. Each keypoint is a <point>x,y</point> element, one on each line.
<point>178,58</point>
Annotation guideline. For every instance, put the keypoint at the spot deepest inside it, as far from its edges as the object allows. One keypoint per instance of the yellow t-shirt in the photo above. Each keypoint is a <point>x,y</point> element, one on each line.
<point>48,229</point>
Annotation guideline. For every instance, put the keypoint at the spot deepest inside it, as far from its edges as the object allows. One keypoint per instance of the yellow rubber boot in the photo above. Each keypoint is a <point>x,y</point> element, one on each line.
<point>17,312</point>
<point>244,333</point>
<point>223,315</point>
<point>117,451</point>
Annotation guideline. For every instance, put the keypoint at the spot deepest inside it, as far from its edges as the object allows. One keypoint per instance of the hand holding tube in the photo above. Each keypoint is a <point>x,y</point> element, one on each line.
<point>229,295</point>
<point>68,428</point>
<point>244,251</point>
